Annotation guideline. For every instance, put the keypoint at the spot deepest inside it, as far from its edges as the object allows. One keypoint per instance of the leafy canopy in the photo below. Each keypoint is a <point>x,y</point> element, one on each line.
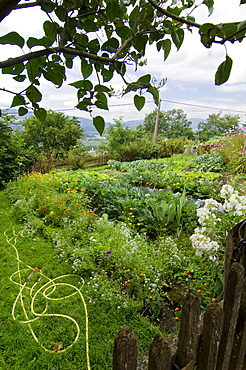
<point>106,36</point>
<point>57,134</point>
<point>172,124</point>
<point>216,124</point>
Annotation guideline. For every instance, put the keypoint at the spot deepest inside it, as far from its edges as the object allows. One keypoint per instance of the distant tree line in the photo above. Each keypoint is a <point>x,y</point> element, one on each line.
<point>174,133</point>
<point>56,141</point>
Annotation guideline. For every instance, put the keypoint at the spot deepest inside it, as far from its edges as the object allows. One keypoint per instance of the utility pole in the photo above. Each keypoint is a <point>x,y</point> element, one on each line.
<point>157,122</point>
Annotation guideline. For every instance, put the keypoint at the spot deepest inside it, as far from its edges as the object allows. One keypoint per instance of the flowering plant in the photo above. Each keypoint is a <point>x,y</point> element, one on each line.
<point>216,219</point>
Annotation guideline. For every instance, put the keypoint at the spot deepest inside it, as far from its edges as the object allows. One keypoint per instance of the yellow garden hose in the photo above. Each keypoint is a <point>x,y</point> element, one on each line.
<point>46,290</point>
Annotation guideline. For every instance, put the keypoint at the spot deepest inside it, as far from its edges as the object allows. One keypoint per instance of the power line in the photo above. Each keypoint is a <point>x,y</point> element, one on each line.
<point>167,101</point>
<point>203,106</point>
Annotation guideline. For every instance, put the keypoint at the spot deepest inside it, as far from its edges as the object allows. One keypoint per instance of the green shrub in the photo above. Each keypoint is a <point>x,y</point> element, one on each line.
<point>209,162</point>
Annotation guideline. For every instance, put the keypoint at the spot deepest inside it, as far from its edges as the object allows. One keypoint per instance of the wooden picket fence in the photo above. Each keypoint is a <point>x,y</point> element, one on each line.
<point>215,340</point>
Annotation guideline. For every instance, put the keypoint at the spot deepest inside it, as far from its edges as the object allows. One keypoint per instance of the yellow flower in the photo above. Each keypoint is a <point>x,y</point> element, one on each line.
<point>52,212</point>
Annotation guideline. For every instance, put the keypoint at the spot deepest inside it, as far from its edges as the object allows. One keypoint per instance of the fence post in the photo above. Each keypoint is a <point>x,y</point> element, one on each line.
<point>235,235</point>
<point>239,344</point>
<point>125,354</point>
<point>160,356</point>
<point>188,333</point>
<point>231,308</point>
<point>210,337</point>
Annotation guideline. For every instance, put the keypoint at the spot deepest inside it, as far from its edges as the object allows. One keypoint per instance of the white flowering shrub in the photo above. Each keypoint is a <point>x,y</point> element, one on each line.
<point>216,220</point>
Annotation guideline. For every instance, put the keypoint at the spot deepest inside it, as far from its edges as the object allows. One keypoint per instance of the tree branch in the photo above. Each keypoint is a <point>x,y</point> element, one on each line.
<point>173,16</point>
<point>6,6</point>
<point>60,49</point>
<point>27,5</point>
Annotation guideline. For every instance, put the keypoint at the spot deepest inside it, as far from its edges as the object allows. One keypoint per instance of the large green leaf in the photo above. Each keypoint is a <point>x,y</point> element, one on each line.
<point>101,101</point>
<point>33,68</point>
<point>18,100</point>
<point>41,114</point>
<point>123,31</point>
<point>86,68</point>
<point>166,45</point>
<point>139,101</point>
<point>12,38</point>
<point>112,10</point>
<point>22,111</point>
<point>155,93</point>
<point>145,80</point>
<point>13,70</point>
<point>178,38</point>
<point>223,72</point>
<point>99,124</point>
<point>140,42</point>
<point>111,45</point>
<point>33,94</point>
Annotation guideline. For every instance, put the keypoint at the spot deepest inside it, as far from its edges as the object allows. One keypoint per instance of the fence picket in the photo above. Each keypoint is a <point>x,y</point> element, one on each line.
<point>188,333</point>
<point>231,309</point>
<point>125,350</point>
<point>160,356</point>
<point>210,337</point>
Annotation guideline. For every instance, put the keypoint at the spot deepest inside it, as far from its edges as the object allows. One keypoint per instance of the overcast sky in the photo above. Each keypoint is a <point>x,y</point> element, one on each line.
<point>190,72</point>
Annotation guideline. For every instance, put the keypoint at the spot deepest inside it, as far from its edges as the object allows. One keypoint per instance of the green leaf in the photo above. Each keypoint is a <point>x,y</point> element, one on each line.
<point>13,70</point>
<point>33,94</point>
<point>99,124</point>
<point>22,111</point>
<point>20,78</point>
<point>166,45</point>
<point>123,31</point>
<point>18,100</point>
<point>12,38</point>
<point>145,80</point>
<point>223,72</point>
<point>210,5</point>
<point>112,10</point>
<point>243,2</point>
<point>101,101</point>
<point>33,67</point>
<point>47,5</point>
<point>140,42</point>
<point>178,38</point>
<point>107,74</point>
<point>86,68</point>
<point>61,13</point>
<point>155,93</point>
<point>139,101</point>
<point>32,41</point>
<point>111,45</point>
<point>50,29</point>
<point>41,114</point>
<point>229,29</point>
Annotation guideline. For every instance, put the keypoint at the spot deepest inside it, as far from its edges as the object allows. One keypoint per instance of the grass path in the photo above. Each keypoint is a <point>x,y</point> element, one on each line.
<point>18,349</point>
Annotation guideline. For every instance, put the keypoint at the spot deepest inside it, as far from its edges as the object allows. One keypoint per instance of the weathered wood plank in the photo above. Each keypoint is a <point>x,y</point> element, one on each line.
<point>125,350</point>
<point>239,344</point>
<point>188,333</point>
<point>160,355</point>
<point>237,233</point>
<point>210,337</point>
<point>231,309</point>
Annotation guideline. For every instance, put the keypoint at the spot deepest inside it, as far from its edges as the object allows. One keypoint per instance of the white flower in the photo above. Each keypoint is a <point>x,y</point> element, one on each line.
<point>227,191</point>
